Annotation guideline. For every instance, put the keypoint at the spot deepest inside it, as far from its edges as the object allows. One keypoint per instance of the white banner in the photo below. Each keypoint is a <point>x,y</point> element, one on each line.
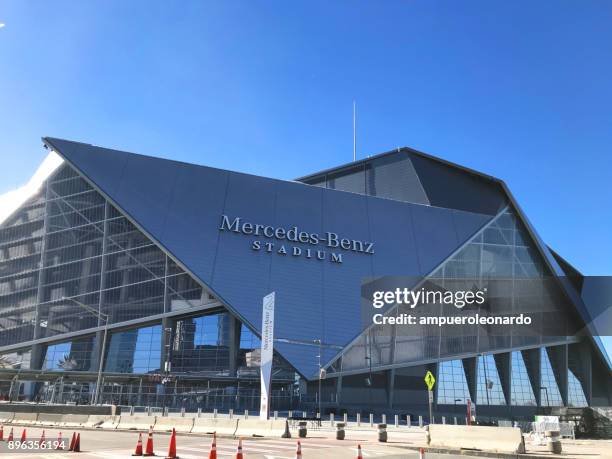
<point>267,352</point>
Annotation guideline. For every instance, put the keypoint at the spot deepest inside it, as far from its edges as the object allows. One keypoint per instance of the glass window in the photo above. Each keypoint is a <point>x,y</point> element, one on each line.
<point>452,384</point>
<point>576,395</point>
<point>490,391</point>
<point>522,391</point>
<point>201,343</point>
<point>551,396</point>
<point>134,351</point>
<point>70,356</point>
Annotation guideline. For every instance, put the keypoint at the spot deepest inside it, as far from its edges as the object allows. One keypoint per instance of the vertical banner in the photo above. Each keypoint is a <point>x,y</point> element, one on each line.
<point>267,352</point>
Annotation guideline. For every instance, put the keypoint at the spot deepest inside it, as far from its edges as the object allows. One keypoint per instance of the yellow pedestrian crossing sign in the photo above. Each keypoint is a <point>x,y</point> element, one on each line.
<point>429,380</point>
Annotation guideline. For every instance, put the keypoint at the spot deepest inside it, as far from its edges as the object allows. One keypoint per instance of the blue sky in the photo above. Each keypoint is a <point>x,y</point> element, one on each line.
<point>520,90</point>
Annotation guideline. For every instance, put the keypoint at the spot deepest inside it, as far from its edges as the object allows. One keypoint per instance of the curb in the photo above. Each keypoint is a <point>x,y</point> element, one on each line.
<point>481,453</point>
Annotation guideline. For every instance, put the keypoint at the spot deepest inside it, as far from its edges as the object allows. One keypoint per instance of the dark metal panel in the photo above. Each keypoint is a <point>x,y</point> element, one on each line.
<point>467,224</point>
<point>581,363</point>
<point>389,225</point>
<point>347,215</point>
<point>503,362</point>
<point>242,275</point>
<point>435,236</point>
<point>470,368</point>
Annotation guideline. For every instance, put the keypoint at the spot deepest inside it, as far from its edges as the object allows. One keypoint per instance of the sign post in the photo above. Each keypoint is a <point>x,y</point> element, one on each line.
<point>430,380</point>
<point>267,353</point>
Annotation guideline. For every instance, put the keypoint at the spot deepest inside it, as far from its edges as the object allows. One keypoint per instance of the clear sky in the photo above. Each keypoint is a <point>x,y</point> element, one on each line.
<point>521,90</point>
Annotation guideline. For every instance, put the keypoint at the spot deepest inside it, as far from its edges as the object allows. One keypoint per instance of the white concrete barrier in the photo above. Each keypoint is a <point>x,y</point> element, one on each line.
<point>99,421</point>
<point>499,439</point>
<point>25,418</point>
<point>74,420</point>
<point>48,419</point>
<point>209,425</point>
<point>166,424</point>
<point>6,417</point>
<point>136,422</point>
<point>259,428</point>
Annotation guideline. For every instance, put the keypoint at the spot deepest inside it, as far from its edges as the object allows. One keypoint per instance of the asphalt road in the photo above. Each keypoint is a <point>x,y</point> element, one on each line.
<point>114,445</point>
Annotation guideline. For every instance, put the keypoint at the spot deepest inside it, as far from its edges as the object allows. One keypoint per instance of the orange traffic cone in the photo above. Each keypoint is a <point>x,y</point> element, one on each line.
<point>149,448</point>
<point>77,444</point>
<point>1,432</point>
<point>359,455</point>
<point>10,437</point>
<point>213,447</point>
<point>42,438</point>
<point>172,446</point>
<point>72,440</point>
<point>23,436</point>
<point>298,452</point>
<point>138,451</point>
<point>60,441</point>
<point>239,450</point>
<point>421,453</point>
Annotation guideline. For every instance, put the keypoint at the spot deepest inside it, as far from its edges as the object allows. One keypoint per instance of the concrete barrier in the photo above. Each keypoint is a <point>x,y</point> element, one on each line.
<point>498,439</point>
<point>25,418</point>
<point>100,421</point>
<point>6,417</point>
<point>221,426</point>
<point>136,422</point>
<point>74,420</point>
<point>166,424</point>
<point>258,428</point>
<point>49,419</point>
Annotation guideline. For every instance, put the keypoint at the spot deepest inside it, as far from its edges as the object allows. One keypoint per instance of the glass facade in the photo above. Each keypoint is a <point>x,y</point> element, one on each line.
<point>521,388</point>
<point>135,351</point>
<point>498,256</point>
<point>551,395</point>
<point>68,247</point>
<point>73,355</point>
<point>489,389</point>
<point>452,385</point>
<point>575,392</point>
<point>202,343</point>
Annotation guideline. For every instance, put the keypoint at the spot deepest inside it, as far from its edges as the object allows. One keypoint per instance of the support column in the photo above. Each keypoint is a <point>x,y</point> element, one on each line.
<point>339,390</point>
<point>504,368</point>
<point>390,387</point>
<point>470,368</point>
<point>533,364</point>
<point>234,344</point>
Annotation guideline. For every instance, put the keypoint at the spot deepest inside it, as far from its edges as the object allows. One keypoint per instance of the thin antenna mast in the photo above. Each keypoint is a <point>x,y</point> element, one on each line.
<point>354,131</point>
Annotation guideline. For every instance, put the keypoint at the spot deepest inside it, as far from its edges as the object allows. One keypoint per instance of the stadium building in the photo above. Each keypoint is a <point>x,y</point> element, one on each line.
<point>148,275</point>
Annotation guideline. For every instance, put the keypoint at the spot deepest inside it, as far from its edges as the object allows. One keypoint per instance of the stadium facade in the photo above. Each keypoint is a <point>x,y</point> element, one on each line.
<point>158,268</point>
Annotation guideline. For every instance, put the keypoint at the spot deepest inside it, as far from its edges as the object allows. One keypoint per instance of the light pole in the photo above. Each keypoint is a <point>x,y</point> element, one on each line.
<point>318,341</point>
<point>104,317</point>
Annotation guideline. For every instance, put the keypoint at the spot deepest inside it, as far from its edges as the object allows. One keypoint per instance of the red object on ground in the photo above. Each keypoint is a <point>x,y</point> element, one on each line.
<point>72,440</point>
<point>213,447</point>
<point>42,437</point>
<point>1,433</point>
<point>23,435</point>
<point>10,437</point>
<point>239,450</point>
<point>172,446</point>
<point>421,453</point>
<point>138,451</point>
<point>149,448</point>
<point>359,455</point>
<point>59,441</point>
<point>77,444</point>
<point>298,452</point>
